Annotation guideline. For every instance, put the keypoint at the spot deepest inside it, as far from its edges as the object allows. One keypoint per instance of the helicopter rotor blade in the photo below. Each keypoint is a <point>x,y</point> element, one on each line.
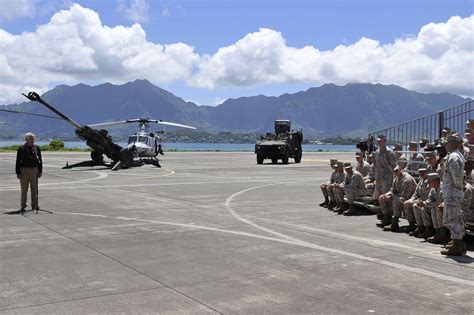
<point>167,123</point>
<point>113,123</point>
<point>27,113</point>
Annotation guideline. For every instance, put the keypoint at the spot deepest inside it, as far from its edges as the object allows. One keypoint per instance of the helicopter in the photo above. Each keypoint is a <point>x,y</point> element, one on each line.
<point>143,147</point>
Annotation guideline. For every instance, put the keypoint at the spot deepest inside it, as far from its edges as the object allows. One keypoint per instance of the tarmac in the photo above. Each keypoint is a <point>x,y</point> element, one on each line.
<point>211,232</point>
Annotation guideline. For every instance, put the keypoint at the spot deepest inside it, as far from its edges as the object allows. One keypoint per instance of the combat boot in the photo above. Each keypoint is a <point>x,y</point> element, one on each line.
<point>343,207</point>
<point>455,250</point>
<point>325,203</point>
<point>394,227</point>
<point>350,211</point>
<point>387,220</point>
<point>436,238</point>
<point>331,205</point>
<point>419,230</point>
<point>429,232</point>
<point>444,236</point>
<point>411,227</point>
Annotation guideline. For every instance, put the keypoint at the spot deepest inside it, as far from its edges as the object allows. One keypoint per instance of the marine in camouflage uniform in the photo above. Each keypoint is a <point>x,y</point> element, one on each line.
<point>354,188</point>
<point>432,166</point>
<point>339,178</point>
<point>412,212</point>
<point>453,195</point>
<point>325,186</point>
<point>363,167</point>
<point>414,159</point>
<point>433,204</point>
<point>391,203</point>
<point>384,165</point>
<point>401,157</point>
<point>338,191</point>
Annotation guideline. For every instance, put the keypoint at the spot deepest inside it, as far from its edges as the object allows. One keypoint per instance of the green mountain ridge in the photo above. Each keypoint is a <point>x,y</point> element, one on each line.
<point>329,110</point>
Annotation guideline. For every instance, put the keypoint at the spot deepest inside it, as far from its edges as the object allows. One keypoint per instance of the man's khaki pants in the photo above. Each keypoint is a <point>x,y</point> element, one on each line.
<point>29,178</point>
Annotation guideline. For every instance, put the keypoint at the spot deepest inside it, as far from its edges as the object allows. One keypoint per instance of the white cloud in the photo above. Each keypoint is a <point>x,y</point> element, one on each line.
<point>135,10</point>
<point>75,47</point>
<point>11,9</point>
<point>439,58</point>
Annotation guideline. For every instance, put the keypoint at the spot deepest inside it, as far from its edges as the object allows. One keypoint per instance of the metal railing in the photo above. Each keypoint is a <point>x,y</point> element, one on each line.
<point>429,126</point>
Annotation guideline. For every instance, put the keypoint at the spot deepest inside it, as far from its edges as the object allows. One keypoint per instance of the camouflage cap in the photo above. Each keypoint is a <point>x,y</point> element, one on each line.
<point>398,146</point>
<point>358,154</point>
<point>424,140</point>
<point>339,164</point>
<point>333,161</point>
<point>347,164</point>
<point>347,167</point>
<point>381,137</point>
<point>412,143</point>
<point>470,121</point>
<point>454,138</point>
<point>430,155</point>
<point>433,176</point>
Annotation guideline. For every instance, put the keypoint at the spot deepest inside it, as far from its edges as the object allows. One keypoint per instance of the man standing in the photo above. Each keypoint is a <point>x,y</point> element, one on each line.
<point>384,165</point>
<point>29,167</point>
<point>453,194</point>
<point>391,203</point>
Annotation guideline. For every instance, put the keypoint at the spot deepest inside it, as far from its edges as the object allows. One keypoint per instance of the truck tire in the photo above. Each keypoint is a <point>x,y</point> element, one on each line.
<point>274,160</point>
<point>285,158</point>
<point>298,156</point>
<point>259,159</point>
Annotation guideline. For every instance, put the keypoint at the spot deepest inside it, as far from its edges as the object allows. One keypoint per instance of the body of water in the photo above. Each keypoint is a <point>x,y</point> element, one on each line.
<point>226,147</point>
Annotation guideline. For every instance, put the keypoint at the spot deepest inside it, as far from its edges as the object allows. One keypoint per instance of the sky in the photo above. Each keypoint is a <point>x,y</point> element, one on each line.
<point>208,51</point>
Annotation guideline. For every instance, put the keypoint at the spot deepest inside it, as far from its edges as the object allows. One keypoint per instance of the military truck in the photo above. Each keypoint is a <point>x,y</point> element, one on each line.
<point>281,145</point>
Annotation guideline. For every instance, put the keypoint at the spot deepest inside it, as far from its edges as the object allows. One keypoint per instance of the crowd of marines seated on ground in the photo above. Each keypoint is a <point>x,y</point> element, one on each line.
<point>429,186</point>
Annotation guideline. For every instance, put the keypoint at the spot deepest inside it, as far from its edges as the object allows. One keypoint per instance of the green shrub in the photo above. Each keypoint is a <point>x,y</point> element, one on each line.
<point>56,145</point>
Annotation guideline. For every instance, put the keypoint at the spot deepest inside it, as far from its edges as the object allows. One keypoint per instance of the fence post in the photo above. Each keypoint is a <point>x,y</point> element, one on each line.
<point>440,123</point>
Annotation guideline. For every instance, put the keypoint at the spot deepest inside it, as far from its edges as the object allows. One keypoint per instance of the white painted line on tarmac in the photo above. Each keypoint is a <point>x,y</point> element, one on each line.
<point>295,242</point>
<point>100,175</point>
<point>291,240</point>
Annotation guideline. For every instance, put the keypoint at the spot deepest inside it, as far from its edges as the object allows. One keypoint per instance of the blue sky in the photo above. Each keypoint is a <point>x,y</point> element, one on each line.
<point>209,25</point>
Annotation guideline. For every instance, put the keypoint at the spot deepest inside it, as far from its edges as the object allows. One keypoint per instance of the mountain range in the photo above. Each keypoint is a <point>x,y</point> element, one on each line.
<point>351,110</point>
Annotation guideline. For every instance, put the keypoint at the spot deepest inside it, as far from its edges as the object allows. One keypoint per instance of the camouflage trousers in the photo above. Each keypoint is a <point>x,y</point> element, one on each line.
<point>468,215</point>
<point>324,190</point>
<point>381,186</point>
<point>414,213</point>
<point>351,194</point>
<point>393,206</point>
<point>338,194</point>
<point>452,216</point>
<point>437,217</point>
<point>411,214</point>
